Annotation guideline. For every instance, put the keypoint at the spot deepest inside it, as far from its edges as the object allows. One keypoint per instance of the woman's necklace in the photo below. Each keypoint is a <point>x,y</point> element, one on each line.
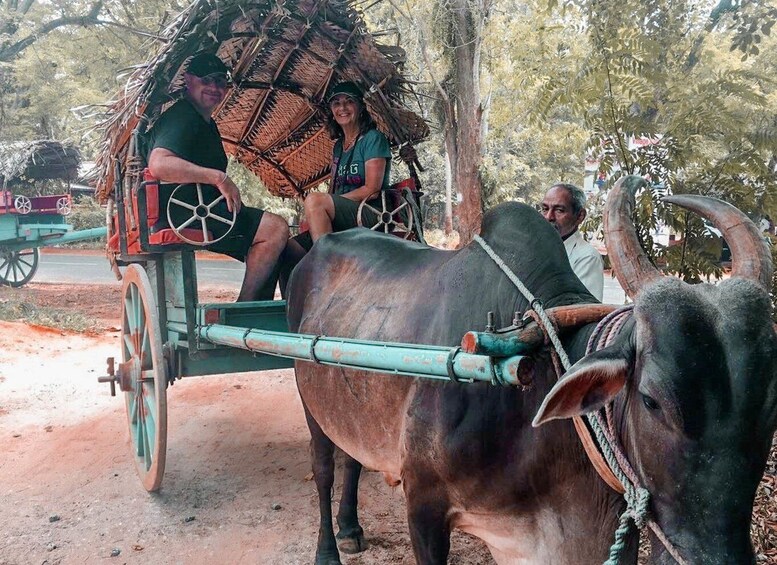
<point>348,144</point>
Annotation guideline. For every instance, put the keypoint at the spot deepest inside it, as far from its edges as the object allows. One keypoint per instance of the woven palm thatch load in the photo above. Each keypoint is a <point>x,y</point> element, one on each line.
<point>284,57</point>
<point>25,161</point>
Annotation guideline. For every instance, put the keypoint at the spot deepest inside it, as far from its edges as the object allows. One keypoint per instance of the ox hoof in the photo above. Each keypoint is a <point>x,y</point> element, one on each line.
<point>352,544</point>
<point>328,560</point>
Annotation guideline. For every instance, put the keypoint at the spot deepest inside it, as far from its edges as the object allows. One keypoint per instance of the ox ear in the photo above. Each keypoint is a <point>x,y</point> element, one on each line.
<point>589,384</point>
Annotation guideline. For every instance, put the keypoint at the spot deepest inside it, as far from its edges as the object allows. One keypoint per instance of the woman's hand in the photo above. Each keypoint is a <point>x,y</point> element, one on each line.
<point>374,169</point>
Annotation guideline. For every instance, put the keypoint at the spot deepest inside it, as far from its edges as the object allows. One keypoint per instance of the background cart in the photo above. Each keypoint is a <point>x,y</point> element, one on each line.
<point>30,222</point>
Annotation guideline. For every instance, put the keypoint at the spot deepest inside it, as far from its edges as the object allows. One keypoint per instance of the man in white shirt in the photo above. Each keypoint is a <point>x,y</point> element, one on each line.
<point>564,207</point>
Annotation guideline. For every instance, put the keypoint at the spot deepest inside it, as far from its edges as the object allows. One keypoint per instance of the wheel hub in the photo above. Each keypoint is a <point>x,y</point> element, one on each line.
<point>128,373</point>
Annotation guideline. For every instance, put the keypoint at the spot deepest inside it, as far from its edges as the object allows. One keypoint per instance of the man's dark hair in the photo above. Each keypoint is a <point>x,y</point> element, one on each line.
<point>577,195</point>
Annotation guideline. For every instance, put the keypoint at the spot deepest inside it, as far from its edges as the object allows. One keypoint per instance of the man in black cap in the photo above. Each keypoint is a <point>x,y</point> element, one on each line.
<point>185,147</point>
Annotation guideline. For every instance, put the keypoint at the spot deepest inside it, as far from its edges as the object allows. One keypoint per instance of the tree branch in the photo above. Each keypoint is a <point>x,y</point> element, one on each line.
<point>13,50</point>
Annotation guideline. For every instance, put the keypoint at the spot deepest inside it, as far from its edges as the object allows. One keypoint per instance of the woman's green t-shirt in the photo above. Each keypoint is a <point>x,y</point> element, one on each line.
<point>350,164</point>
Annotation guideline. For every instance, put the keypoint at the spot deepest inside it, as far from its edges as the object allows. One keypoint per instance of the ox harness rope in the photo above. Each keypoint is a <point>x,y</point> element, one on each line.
<point>617,467</point>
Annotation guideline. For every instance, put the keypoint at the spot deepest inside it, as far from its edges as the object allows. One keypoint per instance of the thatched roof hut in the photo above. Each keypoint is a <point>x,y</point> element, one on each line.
<point>24,161</point>
<point>284,56</point>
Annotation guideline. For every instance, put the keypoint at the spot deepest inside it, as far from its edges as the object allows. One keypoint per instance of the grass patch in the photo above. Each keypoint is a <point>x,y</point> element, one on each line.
<point>12,310</point>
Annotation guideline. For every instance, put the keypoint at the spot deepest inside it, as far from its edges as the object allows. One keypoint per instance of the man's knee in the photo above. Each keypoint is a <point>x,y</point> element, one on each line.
<point>273,229</point>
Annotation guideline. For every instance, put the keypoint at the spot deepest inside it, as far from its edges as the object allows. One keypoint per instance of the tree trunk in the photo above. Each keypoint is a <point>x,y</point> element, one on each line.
<point>469,20</point>
<point>448,219</point>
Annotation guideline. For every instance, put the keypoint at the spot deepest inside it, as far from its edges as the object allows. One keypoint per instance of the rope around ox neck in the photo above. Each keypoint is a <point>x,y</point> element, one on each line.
<point>637,498</point>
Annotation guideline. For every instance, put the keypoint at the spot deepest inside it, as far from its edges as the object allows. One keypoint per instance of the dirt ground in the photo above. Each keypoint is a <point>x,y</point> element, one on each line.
<point>236,488</point>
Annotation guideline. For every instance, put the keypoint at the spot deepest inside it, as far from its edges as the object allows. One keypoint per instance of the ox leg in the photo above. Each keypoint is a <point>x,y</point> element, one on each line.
<point>322,450</point>
<point>350,537</point>
<point>427,519</point>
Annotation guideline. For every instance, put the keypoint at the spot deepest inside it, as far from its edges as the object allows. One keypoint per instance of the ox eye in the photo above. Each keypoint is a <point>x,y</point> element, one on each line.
<point>649,402</point>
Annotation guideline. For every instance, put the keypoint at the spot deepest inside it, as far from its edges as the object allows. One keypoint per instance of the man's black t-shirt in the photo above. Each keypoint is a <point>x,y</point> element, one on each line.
<point>182,130</point>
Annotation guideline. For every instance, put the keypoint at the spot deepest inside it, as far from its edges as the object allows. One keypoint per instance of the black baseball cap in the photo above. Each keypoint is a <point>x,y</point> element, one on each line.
<point>204,64</point>
<point>348,88</point>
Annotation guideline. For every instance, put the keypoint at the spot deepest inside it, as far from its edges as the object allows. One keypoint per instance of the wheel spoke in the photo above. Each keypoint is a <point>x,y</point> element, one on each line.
<point>403,205</point>
<point>187,222</point>
<point>138,310</point>
<point>221,219</point>
<point>183,204</point>
<point>8,271</point>
<point>212,204</point>
<point>376,212</point>
<point>145,349</point>
<point>204,227</point>
<point>376,226</point>
<point>200,199</point>
<point>20,260</point>
<point>140,438</point>
<point>16,278</point>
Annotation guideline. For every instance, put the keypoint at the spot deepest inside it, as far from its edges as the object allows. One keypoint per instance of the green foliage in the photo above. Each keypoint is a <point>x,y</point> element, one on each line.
<point>773,291</point>
<point>254,193</point>
<point>664,101</point>
<point>86,214</point>
<point>14,308</point>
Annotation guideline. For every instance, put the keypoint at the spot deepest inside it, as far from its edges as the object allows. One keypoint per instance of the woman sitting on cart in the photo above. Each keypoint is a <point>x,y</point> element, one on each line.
<point>361,163</point>
<point>185,147</point>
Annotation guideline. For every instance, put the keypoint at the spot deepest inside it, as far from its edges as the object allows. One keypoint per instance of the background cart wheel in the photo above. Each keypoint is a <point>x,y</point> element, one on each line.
<point>17,267</point>
<point>22,204</point>
<point>64,206</point>
<point>143,377</point>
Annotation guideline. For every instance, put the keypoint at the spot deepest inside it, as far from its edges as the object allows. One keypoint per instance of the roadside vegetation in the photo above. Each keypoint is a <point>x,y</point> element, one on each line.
<point>19,305</point>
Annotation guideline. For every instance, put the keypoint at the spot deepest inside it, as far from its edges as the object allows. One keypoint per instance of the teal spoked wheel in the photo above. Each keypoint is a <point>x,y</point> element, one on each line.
<point>17,267</point>
<point>143,377</point>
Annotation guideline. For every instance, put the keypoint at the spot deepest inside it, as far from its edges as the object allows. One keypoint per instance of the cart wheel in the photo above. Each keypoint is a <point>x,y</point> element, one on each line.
<point>22,204</point>
<point>199,215</point>
<point>17,267</point>
<point>145,381</point>
<point>64,206</point>
<point>387,215</point>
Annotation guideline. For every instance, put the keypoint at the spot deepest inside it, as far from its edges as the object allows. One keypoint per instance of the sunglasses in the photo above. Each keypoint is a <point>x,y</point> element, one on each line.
<point>219,80</point>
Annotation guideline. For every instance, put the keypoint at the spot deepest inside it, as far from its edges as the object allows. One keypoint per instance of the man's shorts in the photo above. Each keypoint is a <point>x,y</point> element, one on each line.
<point>240,239</point>
<point>346,212</point>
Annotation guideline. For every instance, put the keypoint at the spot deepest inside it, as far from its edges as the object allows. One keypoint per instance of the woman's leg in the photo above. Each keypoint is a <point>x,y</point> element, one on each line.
<point>319,213</point>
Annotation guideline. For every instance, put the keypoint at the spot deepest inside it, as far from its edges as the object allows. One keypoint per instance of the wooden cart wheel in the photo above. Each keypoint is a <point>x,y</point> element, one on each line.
<point>64,206</point>
<point>144,377</point>
<point>387,215</point>
<point>199,215</point>
<point>22,204</point>
<point>18,267</point>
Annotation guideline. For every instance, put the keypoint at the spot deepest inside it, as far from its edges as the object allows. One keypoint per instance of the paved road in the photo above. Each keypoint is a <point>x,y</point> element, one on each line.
<point>225,273</point>
<point>93,268</point>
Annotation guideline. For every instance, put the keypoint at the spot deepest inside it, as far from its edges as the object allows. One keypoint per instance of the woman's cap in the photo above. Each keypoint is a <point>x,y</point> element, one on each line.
<point>204,64</point>
<point>348,89</point>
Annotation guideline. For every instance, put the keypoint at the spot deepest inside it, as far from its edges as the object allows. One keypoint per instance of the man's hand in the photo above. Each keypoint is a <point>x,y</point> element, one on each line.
<point>231,194</point>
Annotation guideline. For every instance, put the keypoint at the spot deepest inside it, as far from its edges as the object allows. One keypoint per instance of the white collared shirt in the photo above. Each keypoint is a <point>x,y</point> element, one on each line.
<point>587,263</point>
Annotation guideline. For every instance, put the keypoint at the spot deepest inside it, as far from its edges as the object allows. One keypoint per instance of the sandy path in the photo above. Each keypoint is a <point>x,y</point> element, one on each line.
<point>237,446</point>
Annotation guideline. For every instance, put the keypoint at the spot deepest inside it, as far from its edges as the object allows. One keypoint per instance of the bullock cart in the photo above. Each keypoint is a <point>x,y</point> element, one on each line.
<point>30,222</point>
<point>283,60</point>
<point>282,63</point>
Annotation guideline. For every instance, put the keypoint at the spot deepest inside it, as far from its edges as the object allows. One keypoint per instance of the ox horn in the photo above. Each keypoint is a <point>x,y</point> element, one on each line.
<point>750,255</point>
<point>629,261</point>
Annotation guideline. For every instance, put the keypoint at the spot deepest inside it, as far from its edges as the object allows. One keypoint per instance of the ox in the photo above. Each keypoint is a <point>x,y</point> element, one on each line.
<point>692,377</point>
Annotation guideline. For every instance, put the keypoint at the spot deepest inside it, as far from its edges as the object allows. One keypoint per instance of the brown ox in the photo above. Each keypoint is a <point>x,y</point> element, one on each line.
<point>692,376</point>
